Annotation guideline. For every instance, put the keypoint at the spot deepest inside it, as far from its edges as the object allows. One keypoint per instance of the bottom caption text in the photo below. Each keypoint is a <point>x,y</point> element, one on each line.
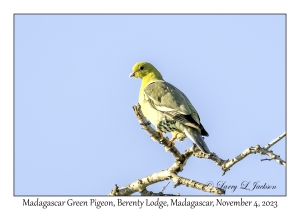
<point>158,203</point>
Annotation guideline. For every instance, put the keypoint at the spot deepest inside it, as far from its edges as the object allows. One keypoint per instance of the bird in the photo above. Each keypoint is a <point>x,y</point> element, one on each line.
<point>167,107</point>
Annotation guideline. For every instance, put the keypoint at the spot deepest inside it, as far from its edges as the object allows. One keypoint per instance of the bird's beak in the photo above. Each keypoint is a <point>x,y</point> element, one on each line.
<point>132,74</point>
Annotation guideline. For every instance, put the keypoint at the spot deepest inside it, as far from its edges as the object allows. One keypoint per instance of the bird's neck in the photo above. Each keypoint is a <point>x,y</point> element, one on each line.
<point>153,76</point>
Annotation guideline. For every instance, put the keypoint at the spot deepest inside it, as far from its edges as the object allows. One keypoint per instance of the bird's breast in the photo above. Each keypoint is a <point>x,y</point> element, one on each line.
<point>149,112</point>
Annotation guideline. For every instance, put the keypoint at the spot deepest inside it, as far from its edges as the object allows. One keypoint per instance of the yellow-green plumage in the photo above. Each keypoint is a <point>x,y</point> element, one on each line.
<point>167,107</point>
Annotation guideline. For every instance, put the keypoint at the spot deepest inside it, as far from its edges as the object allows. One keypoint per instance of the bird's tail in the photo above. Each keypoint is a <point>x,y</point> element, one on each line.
<point>197,138</point>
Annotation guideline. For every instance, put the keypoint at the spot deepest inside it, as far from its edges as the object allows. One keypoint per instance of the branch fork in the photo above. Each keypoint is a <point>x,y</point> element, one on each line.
<point>180,161</point>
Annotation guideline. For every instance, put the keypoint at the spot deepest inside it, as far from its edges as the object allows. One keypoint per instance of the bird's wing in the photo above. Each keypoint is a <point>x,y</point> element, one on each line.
<point>166,98</point>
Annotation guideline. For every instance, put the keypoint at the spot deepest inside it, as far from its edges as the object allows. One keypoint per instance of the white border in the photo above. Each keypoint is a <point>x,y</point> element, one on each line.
<point>8,8</point>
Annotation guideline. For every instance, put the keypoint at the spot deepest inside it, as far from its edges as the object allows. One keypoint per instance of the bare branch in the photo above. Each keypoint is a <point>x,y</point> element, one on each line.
<point>178,180</point>
<point>275,140</point>
<point>180,161</point>
<point>213,156</point>
<point>227,164</point>
<point>146,125</point>
<point>254,150</point>
<point>141,184</point>
<point>115,191</point>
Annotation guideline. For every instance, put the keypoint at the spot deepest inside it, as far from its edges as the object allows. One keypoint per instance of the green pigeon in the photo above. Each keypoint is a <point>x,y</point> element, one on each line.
<point>167,107</point>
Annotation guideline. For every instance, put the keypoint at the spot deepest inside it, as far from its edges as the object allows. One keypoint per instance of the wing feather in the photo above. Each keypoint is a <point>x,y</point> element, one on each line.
<point>166,98</point>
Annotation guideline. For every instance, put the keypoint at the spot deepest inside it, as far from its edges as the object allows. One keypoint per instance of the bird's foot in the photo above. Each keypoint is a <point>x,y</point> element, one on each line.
<point>167,148</point>
<point>172,141</point>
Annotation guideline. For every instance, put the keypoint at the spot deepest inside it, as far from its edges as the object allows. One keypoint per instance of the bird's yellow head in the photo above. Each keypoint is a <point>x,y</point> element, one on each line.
<point>144,69</point>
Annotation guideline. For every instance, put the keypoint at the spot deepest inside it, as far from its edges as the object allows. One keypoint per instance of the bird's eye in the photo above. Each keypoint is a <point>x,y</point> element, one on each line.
<point>142,67</point>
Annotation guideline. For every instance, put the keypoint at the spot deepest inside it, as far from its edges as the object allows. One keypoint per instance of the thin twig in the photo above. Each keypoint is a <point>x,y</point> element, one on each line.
<point>150,193</point>
<point>165,187</point>
<point>275,140</point>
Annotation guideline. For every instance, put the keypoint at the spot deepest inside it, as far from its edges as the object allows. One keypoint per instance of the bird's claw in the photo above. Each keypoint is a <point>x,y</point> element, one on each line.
<point>172,142</point>
<point>167,148</point>
<point>160,133</point>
